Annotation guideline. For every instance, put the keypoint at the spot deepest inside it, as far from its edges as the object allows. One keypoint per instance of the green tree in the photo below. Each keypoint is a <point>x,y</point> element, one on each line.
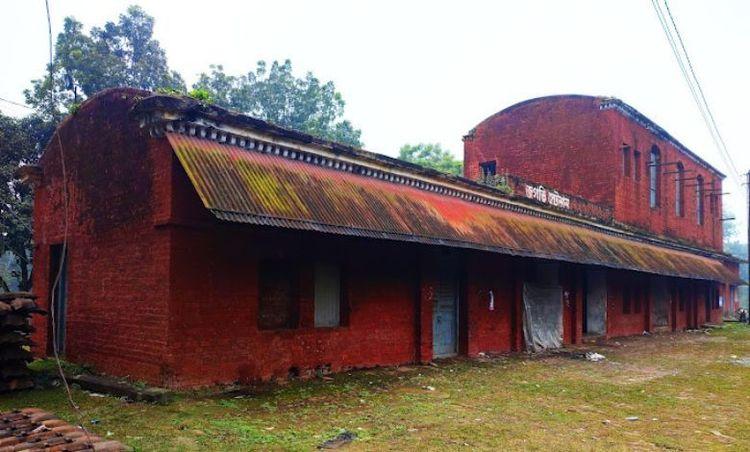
<point>21,143</point>
<point>276,95</point>
<point>117,54</point>
<point>431,156</point>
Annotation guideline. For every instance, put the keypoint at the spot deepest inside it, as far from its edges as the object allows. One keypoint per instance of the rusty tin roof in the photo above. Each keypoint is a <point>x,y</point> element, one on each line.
<point>281,187</point>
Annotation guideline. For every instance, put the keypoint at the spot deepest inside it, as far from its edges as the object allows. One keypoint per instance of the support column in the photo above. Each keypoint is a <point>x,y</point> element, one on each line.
<point>580,293</point>
<point>517,341</point>
<point>424,318</point>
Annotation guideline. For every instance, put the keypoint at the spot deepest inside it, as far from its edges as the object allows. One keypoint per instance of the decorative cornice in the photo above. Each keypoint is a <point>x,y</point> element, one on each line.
<point>612,103</point>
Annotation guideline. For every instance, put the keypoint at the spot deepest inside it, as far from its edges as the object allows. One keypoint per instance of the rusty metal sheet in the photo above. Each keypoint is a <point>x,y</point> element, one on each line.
<point>244,186</point>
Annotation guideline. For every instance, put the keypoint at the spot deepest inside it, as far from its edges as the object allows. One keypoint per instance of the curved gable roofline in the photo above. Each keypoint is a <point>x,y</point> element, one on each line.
<point>606,103</point>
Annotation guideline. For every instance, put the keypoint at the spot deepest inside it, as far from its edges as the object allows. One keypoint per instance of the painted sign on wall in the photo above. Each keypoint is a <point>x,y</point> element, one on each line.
<point>541,194</point>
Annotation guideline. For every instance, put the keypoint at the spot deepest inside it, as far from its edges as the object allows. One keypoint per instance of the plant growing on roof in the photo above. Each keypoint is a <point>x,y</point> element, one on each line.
<point>498,181</point>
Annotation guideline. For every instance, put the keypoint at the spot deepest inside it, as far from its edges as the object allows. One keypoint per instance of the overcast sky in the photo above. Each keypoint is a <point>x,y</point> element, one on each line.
<point>429,71</point>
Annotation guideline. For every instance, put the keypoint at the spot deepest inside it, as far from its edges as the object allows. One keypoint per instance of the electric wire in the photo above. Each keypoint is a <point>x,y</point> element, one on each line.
<point>696,91</point>
<point>64,248</point>
<point>723,147</point>
<point>17,104</point>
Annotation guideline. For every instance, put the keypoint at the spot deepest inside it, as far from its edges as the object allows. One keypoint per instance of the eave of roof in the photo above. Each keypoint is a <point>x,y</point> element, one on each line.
<point>629,111</point>
<point>262,184</point>
<point>161,112</point>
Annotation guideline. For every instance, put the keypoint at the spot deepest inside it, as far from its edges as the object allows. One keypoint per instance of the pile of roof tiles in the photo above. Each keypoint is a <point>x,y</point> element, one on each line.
<point>16,310</point>
<point>32,429</point>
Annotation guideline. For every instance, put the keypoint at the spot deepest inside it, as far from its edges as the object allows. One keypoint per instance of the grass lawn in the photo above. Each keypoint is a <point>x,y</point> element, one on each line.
<point>685,389</point>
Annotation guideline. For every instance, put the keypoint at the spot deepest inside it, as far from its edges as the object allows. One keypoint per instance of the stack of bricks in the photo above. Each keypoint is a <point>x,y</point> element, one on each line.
<point>16,310</point>
<point>32,429</point>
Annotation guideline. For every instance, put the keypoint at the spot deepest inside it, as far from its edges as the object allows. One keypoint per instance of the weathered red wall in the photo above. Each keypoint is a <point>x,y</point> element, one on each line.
<point>491,331</point>
<point>618,323</point>
<point>568,143</point>
<point>161,291</point>
<point>118,262</point>
<point>214,333</point>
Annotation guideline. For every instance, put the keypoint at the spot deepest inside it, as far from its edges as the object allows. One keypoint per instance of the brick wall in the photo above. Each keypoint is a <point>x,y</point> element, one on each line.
<point>159,290</point>
<point>117,261</point>
<point>568,143</point>
<point>491,330</point>
<point>214,331</point>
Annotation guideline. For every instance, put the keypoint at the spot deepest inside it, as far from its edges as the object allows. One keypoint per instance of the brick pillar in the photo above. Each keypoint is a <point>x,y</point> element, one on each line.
<point>424,318</point>
<point>517,341</point>
<point>674,302</point>
<point>580,293</point>
<point>647,308</point>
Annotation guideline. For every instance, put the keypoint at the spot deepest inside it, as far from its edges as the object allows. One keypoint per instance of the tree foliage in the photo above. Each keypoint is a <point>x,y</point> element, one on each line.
<point>431,156</point>
<point>117,54</point>
<point>21,142</point>
<point>125,53</point>
<point>276,95</point>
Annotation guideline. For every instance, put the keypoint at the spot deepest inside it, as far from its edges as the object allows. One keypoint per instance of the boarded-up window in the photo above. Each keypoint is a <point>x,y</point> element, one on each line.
<point>637,164</point>
<point>626,161</point>
<point>626,300</point>
<point>682,296</point>
<point>327,295</point>
<point>637,297</point>
<point>278,283</point>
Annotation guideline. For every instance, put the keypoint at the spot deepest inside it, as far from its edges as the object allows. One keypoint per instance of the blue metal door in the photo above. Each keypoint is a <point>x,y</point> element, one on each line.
<point>445,315</point>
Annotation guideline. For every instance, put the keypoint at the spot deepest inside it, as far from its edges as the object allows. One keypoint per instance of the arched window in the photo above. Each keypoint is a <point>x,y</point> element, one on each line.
<point>699,199</point>
<point>679,191</point>
<point>654,186</point>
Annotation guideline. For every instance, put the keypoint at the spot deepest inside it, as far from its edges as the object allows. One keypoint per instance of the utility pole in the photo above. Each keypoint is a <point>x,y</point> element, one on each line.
<point>747,185</point>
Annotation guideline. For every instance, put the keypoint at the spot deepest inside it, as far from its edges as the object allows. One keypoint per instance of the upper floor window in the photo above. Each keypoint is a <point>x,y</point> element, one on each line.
<point>626,161</point>
<point>679,191</point>
<point>699,197</point>
<point>654,167</point>
<point>637,164</point>
<point>713,198</point>
<point>487,169</point>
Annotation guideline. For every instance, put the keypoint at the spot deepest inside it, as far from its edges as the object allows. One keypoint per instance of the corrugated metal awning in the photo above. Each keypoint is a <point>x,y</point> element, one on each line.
<point>245,186</point>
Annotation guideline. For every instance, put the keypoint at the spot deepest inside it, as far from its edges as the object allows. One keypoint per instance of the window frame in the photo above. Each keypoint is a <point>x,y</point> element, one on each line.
<point>700,206</point>
<point>654,181</point>
<point>637,164</point>
<point>626,166</point>
<point>340,302</point>
<point>679,191</point>
<point>276,267</point>
<point>487,169</point>
<point>627,300</point>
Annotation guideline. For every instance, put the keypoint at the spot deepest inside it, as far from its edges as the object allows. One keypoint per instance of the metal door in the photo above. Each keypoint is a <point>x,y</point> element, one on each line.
<point>596,302</point>
<point>445,315</point>
<point>659,303</point>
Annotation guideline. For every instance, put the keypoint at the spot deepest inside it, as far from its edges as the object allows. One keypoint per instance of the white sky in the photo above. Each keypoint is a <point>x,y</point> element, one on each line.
<point>428,71</point>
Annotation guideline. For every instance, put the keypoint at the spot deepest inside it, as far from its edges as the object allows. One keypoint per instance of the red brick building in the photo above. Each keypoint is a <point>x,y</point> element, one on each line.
<point>208,247</point>
<point>604,151</point>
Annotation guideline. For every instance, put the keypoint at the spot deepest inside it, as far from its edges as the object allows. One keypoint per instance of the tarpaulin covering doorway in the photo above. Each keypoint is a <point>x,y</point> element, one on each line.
<point>542,307</point>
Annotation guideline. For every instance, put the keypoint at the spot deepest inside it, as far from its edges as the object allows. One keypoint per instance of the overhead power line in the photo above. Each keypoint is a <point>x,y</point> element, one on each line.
<point>17,104</point>
<point>696,90</point>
